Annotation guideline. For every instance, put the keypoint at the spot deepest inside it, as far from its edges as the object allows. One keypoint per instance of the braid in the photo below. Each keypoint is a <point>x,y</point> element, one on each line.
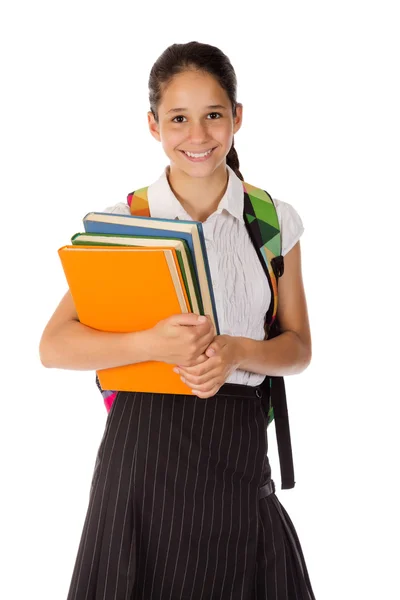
<point>232,160</point>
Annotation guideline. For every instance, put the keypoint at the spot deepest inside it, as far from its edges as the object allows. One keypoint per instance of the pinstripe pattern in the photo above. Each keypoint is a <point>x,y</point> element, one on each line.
<point>175,510</point>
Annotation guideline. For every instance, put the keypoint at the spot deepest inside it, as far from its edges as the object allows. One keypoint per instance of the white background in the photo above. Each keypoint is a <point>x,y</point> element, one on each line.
<point>318,81</point>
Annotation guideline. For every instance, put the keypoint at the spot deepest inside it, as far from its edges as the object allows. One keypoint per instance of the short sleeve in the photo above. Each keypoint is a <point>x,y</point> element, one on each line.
<point>121,208</point>
<point>290,223</point>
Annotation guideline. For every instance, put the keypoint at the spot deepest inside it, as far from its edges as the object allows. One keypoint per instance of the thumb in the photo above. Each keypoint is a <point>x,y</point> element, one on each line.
<point>187,319</point>
<point>211,350</point>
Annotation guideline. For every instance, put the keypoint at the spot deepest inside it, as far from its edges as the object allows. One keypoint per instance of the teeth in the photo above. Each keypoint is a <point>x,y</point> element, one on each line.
<point>192,155</point>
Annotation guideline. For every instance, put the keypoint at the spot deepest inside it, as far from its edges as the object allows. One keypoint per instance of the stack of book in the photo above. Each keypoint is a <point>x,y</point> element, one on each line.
<point>127,273</point>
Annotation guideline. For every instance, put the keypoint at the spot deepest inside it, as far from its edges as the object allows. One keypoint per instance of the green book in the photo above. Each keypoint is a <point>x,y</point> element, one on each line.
<point>182,252</point>
<point>190,231</point>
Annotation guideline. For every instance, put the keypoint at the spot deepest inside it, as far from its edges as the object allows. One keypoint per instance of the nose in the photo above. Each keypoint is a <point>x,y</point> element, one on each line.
<point>198,133</point>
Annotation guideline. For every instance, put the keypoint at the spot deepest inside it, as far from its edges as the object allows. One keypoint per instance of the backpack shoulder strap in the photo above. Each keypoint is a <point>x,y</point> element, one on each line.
<point>261,218</point>
<point>138,203</point>
<point>262,223</point>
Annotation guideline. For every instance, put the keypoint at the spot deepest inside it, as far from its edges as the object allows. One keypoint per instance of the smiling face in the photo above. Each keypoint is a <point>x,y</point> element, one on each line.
<point>195,116</point>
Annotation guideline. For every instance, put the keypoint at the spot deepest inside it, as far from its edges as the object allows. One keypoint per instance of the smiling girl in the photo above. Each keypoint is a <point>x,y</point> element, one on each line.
<point>182,503</point>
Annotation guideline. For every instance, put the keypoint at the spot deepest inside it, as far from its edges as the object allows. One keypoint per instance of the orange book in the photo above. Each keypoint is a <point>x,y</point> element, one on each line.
<point>123,289</point>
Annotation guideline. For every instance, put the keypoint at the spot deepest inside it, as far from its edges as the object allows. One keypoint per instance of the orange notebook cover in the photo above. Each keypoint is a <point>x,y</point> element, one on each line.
<point>122,289</point>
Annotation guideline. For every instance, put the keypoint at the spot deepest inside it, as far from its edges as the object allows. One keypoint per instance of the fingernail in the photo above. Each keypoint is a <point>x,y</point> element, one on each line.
<point>202,319</point>
<point>183,379</point>
<point>175,370</point>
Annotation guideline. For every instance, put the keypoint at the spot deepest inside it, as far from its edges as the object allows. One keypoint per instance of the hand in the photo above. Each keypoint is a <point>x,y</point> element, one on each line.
<point>182,339</point>
<point>220,359</point>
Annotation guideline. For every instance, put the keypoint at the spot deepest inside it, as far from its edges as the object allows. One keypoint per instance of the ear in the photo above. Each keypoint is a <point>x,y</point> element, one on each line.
<point>153,126</point>
<point>237,121</point>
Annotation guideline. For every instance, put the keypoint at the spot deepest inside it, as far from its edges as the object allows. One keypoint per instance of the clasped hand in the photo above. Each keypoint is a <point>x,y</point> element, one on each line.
<point>204,361</point>
<point>213,369</point>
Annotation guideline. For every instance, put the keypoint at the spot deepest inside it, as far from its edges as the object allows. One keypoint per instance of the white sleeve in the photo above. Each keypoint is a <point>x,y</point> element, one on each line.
<point>290,223</point>
<point>121,208</point>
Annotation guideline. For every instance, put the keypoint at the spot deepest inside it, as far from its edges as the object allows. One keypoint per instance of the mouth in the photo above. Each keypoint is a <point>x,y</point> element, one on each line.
<point>198,156</point>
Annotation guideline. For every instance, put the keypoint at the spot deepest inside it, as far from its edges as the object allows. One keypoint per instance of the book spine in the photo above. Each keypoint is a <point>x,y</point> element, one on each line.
<point>208,273</point>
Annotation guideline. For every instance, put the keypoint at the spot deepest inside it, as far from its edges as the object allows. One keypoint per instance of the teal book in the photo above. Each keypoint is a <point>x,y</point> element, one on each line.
<point>189,231</point>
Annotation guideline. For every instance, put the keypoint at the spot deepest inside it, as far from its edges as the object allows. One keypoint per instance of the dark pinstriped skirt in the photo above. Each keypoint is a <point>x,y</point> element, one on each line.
<point>182,505</point>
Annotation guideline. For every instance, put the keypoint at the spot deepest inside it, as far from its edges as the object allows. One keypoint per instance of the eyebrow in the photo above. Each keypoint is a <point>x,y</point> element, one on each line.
<point>183,109</point>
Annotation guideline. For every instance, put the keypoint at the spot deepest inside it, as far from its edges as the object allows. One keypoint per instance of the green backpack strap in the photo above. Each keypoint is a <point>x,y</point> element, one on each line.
<point>262,224</point>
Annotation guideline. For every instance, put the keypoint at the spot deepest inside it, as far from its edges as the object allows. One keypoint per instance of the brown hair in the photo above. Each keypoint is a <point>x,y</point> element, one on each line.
<point>202,57</point>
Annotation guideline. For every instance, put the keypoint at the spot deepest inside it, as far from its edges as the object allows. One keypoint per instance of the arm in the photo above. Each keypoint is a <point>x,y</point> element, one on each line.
<point>287,354</point>
<point>68,344</point>
<point>290,352</point>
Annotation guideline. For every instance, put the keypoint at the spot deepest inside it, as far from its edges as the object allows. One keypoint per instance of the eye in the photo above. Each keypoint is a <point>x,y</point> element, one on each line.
<point>178,117</point>
<point>182,117</point>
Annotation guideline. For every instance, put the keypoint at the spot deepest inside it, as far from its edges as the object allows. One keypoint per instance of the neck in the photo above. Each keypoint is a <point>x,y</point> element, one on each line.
<point>199,196</point>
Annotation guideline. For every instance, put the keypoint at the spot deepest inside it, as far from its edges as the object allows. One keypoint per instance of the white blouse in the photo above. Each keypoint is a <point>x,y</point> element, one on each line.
<point>241,290</point>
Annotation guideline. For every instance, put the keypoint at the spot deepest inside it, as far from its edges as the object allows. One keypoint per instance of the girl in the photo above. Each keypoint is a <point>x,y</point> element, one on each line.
<point>182,503</point>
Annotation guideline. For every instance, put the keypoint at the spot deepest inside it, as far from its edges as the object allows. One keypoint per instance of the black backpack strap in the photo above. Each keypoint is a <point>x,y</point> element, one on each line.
<point>281,418</point>
<point>282,430</point>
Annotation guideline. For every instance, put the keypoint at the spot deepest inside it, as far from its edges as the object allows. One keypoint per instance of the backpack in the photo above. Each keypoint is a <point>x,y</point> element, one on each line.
<point>262,224</point>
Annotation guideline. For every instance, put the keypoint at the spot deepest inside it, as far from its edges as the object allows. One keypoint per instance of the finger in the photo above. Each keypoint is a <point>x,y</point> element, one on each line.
<point>202,367</point>
<point>215,347</point>
<point>201,382</point>
<point>198,380</point>
<point>188,319</point>
<point>211,351</point>
<point>203,343</point>
<point>207,385</point>
<point>196,363</point>
<point>206,333</point>
<point>202,370</point>
<point>208,394</point>
<point>200,337</point>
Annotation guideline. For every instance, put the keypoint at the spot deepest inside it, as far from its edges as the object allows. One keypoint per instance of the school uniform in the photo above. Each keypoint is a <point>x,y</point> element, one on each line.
<point>182,505</point>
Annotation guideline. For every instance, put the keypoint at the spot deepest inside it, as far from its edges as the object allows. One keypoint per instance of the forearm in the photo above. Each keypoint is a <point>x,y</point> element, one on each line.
<point>285,354</point>
<point>78,347</point>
